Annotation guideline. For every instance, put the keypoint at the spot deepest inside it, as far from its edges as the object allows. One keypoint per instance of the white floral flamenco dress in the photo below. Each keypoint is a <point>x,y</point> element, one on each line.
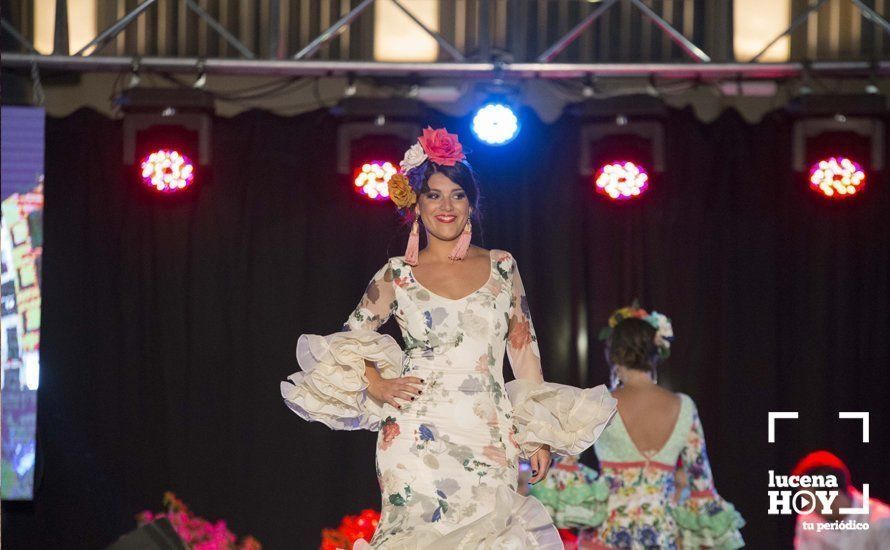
<point>447,463</point>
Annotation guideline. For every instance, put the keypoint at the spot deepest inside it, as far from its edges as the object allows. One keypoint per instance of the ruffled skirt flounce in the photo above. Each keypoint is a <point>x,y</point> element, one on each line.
<point>516,523</point>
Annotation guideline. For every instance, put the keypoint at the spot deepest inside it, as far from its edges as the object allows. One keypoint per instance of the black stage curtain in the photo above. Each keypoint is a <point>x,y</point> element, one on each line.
<point>167,327</point>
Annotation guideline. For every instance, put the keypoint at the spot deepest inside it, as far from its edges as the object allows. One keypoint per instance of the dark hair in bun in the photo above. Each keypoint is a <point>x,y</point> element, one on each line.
<point>632,345</point>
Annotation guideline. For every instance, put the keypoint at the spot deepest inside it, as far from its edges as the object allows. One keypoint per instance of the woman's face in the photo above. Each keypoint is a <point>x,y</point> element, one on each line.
<point>444,209</point>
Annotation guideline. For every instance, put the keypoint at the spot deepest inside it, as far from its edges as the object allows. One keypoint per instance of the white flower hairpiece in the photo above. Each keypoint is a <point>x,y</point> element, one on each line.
<point>664,332</point>
<point>414,157</point>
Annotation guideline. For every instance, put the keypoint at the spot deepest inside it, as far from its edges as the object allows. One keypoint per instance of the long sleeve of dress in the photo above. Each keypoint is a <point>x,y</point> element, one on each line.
<point>566,418</point>
<point>704,518</point>
<point>331,387</point>
<point>376,305</point>
<point>522,342</point>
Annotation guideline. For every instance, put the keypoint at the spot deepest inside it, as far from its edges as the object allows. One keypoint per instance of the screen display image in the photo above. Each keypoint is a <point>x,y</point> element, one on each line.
<point>21,249</point>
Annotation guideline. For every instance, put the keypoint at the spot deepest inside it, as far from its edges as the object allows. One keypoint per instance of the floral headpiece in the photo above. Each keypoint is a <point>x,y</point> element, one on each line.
<point>437,146</point>
<point>664,332</point>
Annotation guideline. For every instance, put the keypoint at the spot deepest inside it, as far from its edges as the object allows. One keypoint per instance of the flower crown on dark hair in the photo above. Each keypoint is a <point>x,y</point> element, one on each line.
<point>664,332</point>
<point>436,146</point>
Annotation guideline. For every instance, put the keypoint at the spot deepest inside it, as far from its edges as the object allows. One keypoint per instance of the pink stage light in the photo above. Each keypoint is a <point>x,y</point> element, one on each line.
<point>167,171</point>
<point>372,178</point>
<point>837,177</point>
<point>621,180</point>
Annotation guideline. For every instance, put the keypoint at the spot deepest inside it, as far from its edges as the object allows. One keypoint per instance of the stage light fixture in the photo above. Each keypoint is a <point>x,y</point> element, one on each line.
<point>621,145</point>
<point>621,180</point>
<point>372,179</point>
<point>495,124</point>
<point>167,170</point>
<point>167,138</point>
<point>837,177</point>
<point>837,142</point>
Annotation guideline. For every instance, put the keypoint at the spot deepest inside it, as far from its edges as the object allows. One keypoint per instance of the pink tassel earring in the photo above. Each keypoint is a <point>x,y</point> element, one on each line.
<point>413,244</point>
<point>463,243</point>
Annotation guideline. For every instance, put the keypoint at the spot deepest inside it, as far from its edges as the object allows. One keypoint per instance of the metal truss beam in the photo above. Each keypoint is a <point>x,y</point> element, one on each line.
<point>17,36</point>
<point>872,15</point>
<point>331,32</point>
<point>299,64</point>
<point>222,31</point>
<point>343,23</point>
<point>115,29</point>
<point>515,71</point>
<point>798,21</point>
<point>560,45</point>
<point>690,49</point>
<point>866,12</point>
<point>444,44</point>
<point>121,24</point>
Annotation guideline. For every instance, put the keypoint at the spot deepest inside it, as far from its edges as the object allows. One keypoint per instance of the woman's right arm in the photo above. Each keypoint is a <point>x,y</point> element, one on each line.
<point>376,305</point>
<point>375,308</point>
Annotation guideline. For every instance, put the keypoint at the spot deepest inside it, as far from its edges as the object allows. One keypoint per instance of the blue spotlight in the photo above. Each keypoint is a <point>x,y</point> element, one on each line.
<point>495,124</point>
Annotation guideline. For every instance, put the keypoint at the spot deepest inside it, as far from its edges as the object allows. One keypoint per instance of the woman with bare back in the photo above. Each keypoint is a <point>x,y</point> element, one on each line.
<point>655,489</point>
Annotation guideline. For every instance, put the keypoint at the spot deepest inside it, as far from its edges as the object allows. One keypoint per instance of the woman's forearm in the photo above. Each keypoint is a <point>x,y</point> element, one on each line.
<point>371,372</point>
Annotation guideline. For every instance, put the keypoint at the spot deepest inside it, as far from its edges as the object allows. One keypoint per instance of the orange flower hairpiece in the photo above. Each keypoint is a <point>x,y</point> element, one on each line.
<point>400,191</point>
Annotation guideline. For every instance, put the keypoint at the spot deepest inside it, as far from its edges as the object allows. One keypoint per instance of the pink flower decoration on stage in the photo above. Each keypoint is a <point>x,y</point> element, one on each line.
<point>441,147</point>
<point>195,531</point>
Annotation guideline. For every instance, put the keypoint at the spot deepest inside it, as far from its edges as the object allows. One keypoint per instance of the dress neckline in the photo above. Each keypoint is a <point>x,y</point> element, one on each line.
<point>478,290</point>
<point>650,455</point>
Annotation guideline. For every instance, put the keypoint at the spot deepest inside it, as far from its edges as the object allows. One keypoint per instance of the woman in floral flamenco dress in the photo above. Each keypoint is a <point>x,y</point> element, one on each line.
<point>451,432</point>
<point>655,489</point>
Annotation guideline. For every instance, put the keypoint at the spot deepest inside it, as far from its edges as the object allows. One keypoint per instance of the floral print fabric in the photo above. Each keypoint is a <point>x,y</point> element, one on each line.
<point>660,500</point>
<point>439,455</point>
<point>445,460</point>
<point>572,495</point>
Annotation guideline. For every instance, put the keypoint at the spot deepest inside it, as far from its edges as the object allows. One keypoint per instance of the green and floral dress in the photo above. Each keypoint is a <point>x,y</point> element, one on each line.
<point>663,499</point>
<point>571,494</point>
<point>447,463</point>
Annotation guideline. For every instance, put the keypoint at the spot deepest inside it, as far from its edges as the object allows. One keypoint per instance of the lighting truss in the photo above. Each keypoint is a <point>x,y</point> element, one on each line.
<point>300,63</point>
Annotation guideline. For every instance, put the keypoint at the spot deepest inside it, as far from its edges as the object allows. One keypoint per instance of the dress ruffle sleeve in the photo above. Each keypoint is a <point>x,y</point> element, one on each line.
<point>567,418</point>
<point>705,519</point>
<point>574,495</point>
<point>711,523</point>
<point>330,387</point>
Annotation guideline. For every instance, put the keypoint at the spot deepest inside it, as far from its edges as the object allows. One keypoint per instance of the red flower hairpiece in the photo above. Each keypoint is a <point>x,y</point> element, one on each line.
<point>441,147</point>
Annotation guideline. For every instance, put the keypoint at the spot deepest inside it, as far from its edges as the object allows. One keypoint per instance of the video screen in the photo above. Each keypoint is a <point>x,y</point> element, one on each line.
<point>21,236</point>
